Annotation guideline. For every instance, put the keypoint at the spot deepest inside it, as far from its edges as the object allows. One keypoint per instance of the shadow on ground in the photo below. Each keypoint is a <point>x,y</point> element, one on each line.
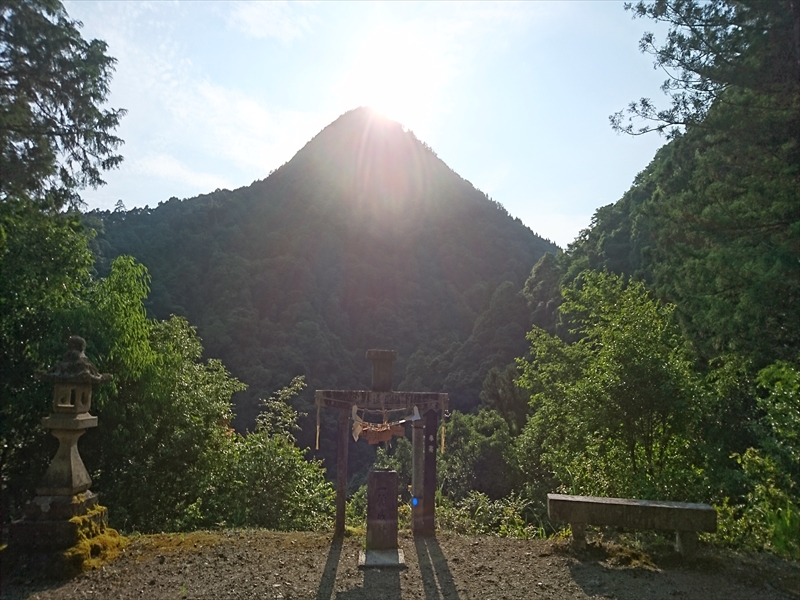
<point>25,575</point>
<point>328,579</point>
<point>437,580</point>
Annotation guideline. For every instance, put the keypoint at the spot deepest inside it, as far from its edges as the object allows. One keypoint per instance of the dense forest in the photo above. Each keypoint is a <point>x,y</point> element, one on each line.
<point>656,357</point>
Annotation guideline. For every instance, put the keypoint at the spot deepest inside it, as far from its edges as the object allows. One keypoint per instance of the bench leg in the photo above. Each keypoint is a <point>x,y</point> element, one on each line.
<point>578,536</point>
<point>686,543</point>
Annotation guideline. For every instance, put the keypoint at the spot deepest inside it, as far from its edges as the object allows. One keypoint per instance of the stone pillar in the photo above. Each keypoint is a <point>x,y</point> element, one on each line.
<point>66,475</point>
<point>429,479</point>
<point>382,510</point>
<point>417,474</point>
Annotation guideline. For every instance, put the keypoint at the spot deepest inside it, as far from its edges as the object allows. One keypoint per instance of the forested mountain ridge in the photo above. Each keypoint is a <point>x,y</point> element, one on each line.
<point>364,239</point>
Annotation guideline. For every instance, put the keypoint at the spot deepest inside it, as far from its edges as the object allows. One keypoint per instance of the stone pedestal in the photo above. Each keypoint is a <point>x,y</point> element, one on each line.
<point>382,549</point>
<point>382,510</point>
<point>54,523</point>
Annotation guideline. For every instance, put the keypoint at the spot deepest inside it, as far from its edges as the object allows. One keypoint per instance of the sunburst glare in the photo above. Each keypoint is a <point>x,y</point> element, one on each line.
<point>399,72</point>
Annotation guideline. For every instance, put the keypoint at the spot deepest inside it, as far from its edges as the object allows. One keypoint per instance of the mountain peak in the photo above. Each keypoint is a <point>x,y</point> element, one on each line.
<point>378,170</point>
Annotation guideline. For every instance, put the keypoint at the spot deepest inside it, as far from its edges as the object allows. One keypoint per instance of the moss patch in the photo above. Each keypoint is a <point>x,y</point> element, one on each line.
<point>97,544</point>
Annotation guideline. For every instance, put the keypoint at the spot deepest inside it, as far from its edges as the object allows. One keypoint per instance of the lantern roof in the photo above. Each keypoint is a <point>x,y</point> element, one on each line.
<point>74,366</point>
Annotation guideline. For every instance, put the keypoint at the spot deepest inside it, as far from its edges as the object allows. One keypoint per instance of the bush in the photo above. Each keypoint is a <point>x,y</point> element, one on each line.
<point>478,456</point>
<point>477,514</point>
<point>615,413</point>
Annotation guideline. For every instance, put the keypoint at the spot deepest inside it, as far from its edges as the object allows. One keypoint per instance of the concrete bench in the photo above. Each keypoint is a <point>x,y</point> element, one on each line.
<point>682,517</point>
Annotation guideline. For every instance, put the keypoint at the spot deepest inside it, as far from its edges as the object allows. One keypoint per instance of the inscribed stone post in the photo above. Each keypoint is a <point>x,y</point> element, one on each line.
<point>382,510</point>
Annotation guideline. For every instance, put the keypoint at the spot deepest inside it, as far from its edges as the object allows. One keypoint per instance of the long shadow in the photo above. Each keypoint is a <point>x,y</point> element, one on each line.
<point>328,579</point>
<point>437,580</point>
<point>378,583</point>
<point>25,575</point>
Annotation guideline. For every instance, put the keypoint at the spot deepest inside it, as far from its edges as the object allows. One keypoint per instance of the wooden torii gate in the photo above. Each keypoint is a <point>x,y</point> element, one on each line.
<point>381,397</point>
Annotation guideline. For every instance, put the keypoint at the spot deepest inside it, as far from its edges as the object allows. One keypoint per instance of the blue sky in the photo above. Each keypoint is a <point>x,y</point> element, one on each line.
<point>514,97</point>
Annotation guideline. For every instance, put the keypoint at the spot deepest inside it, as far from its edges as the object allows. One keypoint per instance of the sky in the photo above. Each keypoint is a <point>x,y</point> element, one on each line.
<point>513,97</point>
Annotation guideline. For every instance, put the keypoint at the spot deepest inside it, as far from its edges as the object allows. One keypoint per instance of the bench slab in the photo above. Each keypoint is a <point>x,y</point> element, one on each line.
<point>632,514</point>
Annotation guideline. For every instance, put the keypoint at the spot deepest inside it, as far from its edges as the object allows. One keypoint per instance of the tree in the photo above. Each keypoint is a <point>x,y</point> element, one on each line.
<point>478,456</point>
<point>501,393</point>
<point>615,412</point>
<point>54,140</point>
<point>54,136</point>
<point>744,54</point>
<point>767,515</point>
<point>542,291</point>
<point>44,267</point>
<point>721,209</point>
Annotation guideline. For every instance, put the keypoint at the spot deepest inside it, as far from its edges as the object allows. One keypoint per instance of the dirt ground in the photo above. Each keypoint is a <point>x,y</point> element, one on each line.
<point>286,566</point>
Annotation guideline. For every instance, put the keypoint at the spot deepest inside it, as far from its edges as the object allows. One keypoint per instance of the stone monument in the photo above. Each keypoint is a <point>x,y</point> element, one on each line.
<point>64,510</point>
<point>382,549</point>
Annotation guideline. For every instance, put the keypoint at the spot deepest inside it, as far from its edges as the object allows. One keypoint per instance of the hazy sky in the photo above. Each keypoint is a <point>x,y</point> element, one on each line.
<point>514,97</point>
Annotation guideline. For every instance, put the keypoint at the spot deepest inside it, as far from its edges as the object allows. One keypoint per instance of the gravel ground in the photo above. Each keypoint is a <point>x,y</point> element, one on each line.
<point>285,566</point>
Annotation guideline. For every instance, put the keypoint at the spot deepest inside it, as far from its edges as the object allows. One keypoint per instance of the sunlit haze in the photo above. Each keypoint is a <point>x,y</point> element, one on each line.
<point>513,97</point>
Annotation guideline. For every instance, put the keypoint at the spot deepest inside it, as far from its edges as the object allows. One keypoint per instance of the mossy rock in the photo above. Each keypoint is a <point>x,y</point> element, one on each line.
<point>93,544</point>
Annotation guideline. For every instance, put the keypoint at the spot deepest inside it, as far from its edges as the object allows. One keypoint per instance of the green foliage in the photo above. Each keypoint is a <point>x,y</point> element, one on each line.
<point>770,516</point>
<point>477,456</point>
<point>501,393</point>
<point>356,508</point>
<point>542,291</point>
<point>44,265</point>
<point>54,135</point>
<point>262,479</point>
<point>477,514</point>
<point>739,53</point>
<point>614,414</point>
<point>727,230</point>
<point>398,459</point>
<point>159,433</point>
<point>780,432</point>
<point>166,435</point>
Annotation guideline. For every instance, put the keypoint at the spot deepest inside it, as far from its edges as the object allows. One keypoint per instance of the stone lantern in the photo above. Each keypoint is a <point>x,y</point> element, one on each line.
<point>63,493</point>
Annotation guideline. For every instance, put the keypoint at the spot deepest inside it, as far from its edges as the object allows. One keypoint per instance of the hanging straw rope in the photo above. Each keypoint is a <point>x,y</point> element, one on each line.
<point>442,407</point>
<point>317,445</point>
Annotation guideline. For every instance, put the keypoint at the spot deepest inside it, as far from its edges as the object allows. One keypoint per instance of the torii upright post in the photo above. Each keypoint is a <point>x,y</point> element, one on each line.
<point>429,477</point>
<point>417,475</point>
<point>341,470</point>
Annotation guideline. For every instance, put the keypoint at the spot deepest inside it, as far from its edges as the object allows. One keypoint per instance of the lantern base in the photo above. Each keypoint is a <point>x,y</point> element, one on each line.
<point>58,522</point>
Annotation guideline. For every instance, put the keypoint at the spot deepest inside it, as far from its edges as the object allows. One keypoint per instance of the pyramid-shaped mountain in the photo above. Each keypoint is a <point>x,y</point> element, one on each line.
<point>365,239</point>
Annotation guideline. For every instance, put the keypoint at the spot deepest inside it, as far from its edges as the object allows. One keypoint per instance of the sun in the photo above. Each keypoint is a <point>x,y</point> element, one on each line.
<point>398,72</point>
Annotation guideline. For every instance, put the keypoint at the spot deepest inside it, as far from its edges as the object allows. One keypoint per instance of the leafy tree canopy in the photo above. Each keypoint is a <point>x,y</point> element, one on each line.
<point>744,54</point>
<point>55,137</point>
<point>613,413</point>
